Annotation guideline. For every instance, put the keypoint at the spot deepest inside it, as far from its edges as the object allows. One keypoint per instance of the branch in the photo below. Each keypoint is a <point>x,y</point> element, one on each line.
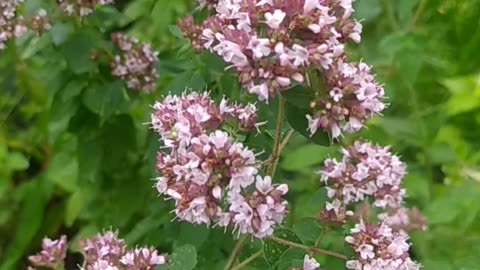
<point>308,249</point>
<point>278,137</point>
<point>248,260</point>
<point>236,252</point>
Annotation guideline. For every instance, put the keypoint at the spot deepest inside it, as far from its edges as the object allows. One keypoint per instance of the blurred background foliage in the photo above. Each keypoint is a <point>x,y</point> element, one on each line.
<point>76,155</point>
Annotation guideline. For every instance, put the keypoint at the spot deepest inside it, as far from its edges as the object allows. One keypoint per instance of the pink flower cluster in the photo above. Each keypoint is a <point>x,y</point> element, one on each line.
<point>107,251</point>
<point>102,252</point>
<point>12,26</point>
<point>210,175</point>
<point>273,44</point>
<point>353,98</point>
<point>82,7</point>
<point>378,248</point>
<point>365,170</point>
<point>52,255</point>
<point>137,63</point>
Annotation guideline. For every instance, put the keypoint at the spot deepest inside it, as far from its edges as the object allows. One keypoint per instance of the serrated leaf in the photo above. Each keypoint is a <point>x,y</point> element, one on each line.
<point>182,258</point>
<point>309,230</point>
<point>296,117</point>
<point>273,250</point>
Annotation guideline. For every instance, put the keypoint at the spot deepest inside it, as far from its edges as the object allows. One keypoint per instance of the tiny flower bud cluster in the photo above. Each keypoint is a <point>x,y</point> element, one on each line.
<point>82,7</point>
<point>102,252</point>
<point>136,64</point>
<point>404,219</point>
<point>378,248</point>
<point>106,251</point>
<point>11,26</point>
<point>365,170</point>
<point>208,173</point>
<point>52,255</point>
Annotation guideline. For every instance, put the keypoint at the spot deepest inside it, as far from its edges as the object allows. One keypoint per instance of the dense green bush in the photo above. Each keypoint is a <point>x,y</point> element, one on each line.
<point>76,156</point>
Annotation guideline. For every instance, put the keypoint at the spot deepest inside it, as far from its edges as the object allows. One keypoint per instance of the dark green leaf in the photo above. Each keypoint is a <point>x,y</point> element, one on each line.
<point>182,258</point>
<point>309,230</point>
<point>77,52</point>
<point>296,117</point>
<point>291,258</point>
<point>273,250</point>
<point>106,99</point>
<point>299,96</point>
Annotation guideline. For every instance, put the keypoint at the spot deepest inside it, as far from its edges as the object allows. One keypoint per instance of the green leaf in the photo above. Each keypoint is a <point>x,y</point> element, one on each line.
<point>306,156</point>
<point>61,32</point>
<point>90,156</point>
<point>367,10</point>
<point>273,250</point>
<point>187,80</point>
<point>16,161</point>
<point>309,230</point>
<point>75,204</point>
<point>30,220</point>
<point>299,96</point>
<point>77,52</point>
<point>292,257</point>
<point>182,258</point>
<point>296,117</point>
<point>192,234</point>
<point>106,99</point>
<point>174,30</point>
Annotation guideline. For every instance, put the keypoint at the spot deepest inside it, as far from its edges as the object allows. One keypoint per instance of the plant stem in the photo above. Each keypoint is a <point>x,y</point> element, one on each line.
<point>286,139</point>
<point>248,260</point>
<point>236,252</point>
<point>418,13</point>
<point>387,5</point>
<point>278,137</point>
<point>308,249</point>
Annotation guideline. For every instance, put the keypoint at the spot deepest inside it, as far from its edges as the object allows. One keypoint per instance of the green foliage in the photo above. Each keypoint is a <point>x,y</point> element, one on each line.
<point>76,156</point>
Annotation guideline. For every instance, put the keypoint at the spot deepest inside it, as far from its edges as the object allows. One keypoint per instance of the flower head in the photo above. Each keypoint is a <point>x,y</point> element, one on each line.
<point>53,253</point>
<point>207,173</point>
<point>136,64</point>
<point>365,170</point>
<point>378,247</point>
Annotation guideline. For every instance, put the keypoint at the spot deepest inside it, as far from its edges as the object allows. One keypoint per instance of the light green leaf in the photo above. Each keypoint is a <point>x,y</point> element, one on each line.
<point>16,161</point>
<point>75,204</point>
<point>306,156</point>
<point>61,32</point>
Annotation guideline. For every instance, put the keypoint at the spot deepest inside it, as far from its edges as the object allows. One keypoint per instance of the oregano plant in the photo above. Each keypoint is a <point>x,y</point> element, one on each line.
<point>291,60</point>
